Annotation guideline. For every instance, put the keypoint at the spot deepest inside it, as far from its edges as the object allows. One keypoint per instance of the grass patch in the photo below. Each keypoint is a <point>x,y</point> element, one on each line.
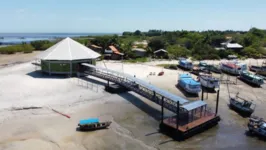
<point>168,66</point>
<point>143,59</point>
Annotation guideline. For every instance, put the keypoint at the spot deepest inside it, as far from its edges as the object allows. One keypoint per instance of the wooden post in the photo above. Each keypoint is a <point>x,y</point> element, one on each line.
<point>162,112</point>
<point>217,102</point>
<point>202,93</point>
<point>177,115</point>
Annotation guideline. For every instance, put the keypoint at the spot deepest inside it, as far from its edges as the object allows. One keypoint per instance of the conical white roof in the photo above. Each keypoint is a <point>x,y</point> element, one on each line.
<point>68,49</point>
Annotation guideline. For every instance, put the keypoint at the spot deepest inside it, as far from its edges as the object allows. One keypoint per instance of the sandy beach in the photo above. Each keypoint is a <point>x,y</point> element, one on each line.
<point>134,119</point>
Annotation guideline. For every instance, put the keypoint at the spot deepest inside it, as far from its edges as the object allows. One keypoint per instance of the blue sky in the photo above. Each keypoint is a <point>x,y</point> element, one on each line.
<point>129,15</point>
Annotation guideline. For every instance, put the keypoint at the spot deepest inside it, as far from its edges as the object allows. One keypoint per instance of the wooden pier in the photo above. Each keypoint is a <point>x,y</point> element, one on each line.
<point>190,118</point>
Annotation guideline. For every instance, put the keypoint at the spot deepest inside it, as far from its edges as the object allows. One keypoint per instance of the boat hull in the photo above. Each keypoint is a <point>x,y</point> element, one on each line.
<point>186,88</point>
<point>251,81</point>
<point>230,71</point>
<point>208,83</point>
<point>94,126</point>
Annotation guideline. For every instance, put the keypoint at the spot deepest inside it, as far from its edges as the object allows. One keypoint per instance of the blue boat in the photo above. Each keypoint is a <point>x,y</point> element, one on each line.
<point>92,124</point>
<point>187,83</point>
<point>183,63</point>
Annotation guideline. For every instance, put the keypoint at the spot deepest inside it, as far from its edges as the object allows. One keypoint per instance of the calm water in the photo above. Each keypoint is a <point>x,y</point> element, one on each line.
<point>17,38</point>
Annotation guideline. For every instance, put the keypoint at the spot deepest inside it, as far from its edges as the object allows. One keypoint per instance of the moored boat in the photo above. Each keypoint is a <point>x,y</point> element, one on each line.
<point>257,126</point>
<point>251,78</point>
<point>208,81</point>
<point>203,64</point>
<point>254,68</point>
<point>242,106</point>
<point>92,124</point>
<point>214,69</point>
<point>186,82</point>
<point>233,67</point>
<point>185,64</point>
<point>262,70</point>
<point>199,70</point>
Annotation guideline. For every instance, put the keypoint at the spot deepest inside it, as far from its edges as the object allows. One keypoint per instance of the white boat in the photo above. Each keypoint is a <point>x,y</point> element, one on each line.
<point>233,67</point>
<point>209,81</point>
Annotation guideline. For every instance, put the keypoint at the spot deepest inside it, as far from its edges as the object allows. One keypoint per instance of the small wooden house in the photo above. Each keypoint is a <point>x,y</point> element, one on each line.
<point>161,53</point>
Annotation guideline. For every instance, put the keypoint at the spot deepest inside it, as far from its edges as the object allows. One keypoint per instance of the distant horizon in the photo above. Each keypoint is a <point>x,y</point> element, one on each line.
<point>123,31</point>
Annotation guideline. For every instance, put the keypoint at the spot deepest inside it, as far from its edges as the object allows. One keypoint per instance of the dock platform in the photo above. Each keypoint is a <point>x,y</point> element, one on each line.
<point>190,117</point>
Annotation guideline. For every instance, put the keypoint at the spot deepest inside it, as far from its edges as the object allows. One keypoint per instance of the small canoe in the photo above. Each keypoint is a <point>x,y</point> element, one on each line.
<point>92,124</point>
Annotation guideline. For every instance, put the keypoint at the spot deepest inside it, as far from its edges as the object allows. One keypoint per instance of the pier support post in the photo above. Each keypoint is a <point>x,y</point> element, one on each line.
<point>217,101</point>
<point>162,112</point>
<point>108,83</point>
<point>177,115</point>
<point>202,93</point>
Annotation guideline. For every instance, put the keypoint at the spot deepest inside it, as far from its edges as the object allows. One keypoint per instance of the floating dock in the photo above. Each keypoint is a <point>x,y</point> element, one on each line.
<point>190,117</point>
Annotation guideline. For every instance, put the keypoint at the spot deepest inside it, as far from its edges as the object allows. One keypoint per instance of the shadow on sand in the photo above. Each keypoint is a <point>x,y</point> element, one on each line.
<point>94,81</point>
<point>154,113</point>
<point>41,75</point>
<point>78,129</point>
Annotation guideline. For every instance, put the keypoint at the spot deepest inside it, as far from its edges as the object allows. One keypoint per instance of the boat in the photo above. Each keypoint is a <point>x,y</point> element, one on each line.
<point>92,124</point>
<point>161,73</point>
<point>233,67</point>
<point>257,126</point>
<point>262,70</point>
<point>187,83</point>
<point>183,63</point>
<point>199,70</point>
<point>214,69</point>
<point>208,81</point>
<point>251,78</point>
<point>203,64</point>
<point>254,68</point>
<point>242,106</point>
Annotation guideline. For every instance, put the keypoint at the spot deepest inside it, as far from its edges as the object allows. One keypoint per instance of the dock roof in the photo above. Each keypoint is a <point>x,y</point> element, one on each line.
<point>193,105</point>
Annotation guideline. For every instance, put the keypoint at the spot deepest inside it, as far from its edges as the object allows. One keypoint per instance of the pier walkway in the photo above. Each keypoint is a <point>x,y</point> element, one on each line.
<point>151,92</point>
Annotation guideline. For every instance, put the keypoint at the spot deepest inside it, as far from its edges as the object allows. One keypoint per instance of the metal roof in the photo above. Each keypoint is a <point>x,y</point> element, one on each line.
<point>194,105</point>
<point>160,50</point>
<point>139,49</point>
<point>164,93</point>
<point>234,45</point>
<point>68,49</point>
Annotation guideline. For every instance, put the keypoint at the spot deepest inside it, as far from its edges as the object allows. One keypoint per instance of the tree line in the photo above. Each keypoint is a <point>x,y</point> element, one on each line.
<point>195,44</point>
<point>201,45</point>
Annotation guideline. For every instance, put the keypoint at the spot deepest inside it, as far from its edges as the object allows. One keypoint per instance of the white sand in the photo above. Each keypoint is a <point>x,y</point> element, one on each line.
<point>44,129</point>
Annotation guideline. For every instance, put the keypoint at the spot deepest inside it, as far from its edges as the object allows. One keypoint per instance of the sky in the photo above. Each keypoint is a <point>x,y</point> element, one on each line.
<point>116,16</point>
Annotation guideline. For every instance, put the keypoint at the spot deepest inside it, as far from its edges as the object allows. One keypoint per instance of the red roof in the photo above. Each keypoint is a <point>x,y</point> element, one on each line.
<point>116,51</point>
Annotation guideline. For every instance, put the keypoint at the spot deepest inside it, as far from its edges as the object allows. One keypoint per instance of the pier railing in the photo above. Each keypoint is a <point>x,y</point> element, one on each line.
<point>141,87</point>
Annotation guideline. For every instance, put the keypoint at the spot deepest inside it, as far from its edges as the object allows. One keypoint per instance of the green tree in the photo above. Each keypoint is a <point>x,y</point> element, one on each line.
<point>251,52</point>
<point>176,51</point>
<point>157,43</point>
<point>137,33</point>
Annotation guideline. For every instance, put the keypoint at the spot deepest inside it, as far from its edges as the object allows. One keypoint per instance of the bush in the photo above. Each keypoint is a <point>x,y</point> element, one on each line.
<point>251,52</point>
<point>26,48</point>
